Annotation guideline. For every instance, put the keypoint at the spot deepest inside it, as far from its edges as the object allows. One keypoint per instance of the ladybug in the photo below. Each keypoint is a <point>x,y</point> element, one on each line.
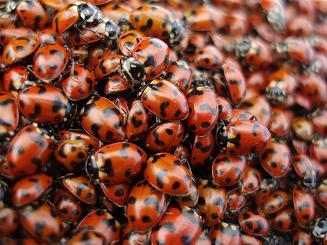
<point>243,137</point>
<point>318,150</point>
<point>276,158</point>
<point>80,85</point>
<point>108,65</point>
<point>202,148</point>
<point>95,54</point>
<point>165,100</point>
<point>165,137</point>
<point>241,115</point>
<point>165,172</point>
<point>181,226</point>
<point>145,206</point>
<point>224,109</point>
<point>128,41</point>
<point>71,154</point>
<point>19,48</point>
<point>131,236</point>
<point>101,222</point>
<point>12,32</point>
<point>102,119</point>
<point>15,78</point>
<point>275,202</point>
<point>319,121</point>
<point>257,80</point>
<point>76,14</point>
<point>118,13</point>
<point>208,57</point>
<point>92,143</point>
<point>212,202</point>
<point>137,121</point>
<point>203,110</point>
<point>86,236</point>
<point>105,166</point>
<point>229,233</point>
<point>319,229</point>
<point>321,194</point>
<point>250,180</point>
<point>305,169</point>
<point>179,73</point>
<point>118,193</point>
<point>48,36</point>
<point>9,221</point>
<point>227,169</point>
<point>9,119</point>
<point>42,223</point>
<point>30,189</point>
<point>284,220</point>
<point>45,104</point>
<point>28,151</point>
<point>303,128</point>
<point>259,107</point>
<point>304,206</point>
<point>157,22</point>
<point>150,58</point>
<point>235,202</point>
<point>191,199</point>
<point>254,223</point>
<point>81,188</point>
<point>237,22</point>
<point>314,87</point>
<point>49,61</point>
<point>301,237</point>
<point>263,192</point>
<point>67,206</point>
<point>115,84</point>
<point>279,122</point>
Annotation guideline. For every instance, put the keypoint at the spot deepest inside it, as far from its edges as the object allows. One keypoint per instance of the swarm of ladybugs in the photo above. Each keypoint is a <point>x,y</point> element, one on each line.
<point>163,122</point>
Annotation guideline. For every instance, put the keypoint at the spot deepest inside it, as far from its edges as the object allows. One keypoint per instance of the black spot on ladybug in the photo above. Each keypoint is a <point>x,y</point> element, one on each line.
<point>148,25</point>
<point>107,167</point>
<point>131,200</point>
<point>39,226</point>
<point>132,218</point>
<point>95,128</point>
<point>36,161</point>
<point>150,61</point>
<point>136,123</point>
<point>214,216</point>
<point>119,192</point>
<point>176,185</point>
<point>157,140</point>
<point>160,175</point>
<point>37,111</point>
<point>146,219</point>
<point>109,135</point>
<point>177,113</point>
<point>19,48</point>
<point>163,106</point>
<point>186,240</point>
<point>260,226</point>
<point>249,225</point>
<point>169,131</point>
<point>205,124</point>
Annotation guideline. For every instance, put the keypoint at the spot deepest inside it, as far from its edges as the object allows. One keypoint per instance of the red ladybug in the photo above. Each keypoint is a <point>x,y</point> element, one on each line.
<point>145,206</point>
<point>137,121</point>
<point>131,236</point>
<point>314,87</point>
<point>92,143</point>
<point>9,221</point>
<point>45,104</point>
<point>254,223</point>
<point>227,169</point>
<point>318,150</point>
<point>235,202</point>
<point>202,148</point>
<point>319,121</point>
<point>305,169</point>
<point>165,172</point>
<point>14,79</point>
<point>303,128</point>
<point>284,220</point>
<point>115,84</point>
<point>179,73</point>
<point>229,233</point>
<point>86,236</point>
<point>224,109</point>
<point>30,189</point>
<point>191,199</point>
<point>250,180</point>
<point>12,32</point>
<point>208,57</point>
<point>165,100</point>
<point>178,226</point>
<point>9,119</point>
<point>263,192</point>
<point>118,193</point>
<point>128,41</point>
<point>304,206</point>
<point>275,202</point>
<point>259,107</point>
<point>105,164</point>
<point>118,13</point>
<point>279,122</point>
<point>102,119</point>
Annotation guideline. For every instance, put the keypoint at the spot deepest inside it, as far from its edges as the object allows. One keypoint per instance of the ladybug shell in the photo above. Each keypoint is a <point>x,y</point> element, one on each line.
<point>191,199</point>
<point>319,121</point>
<point>254,223</point>
<point>101,222</point>
<point>304,206</point>
<point>229,233</point>
<point>227,169</point>
<point>32,14</point>
<point>44,104</point>
<point>318,150</point>
<point>302,237</point>
<point>250,180</point>
<point>118,194</point>
<point>9,222</point>
<point>102,119</point>
<point>304,168</point>
<point>80,85</point>
<point>12,32</point>
<point>165,172</point>
<point>321,194</point>
<point>250,240</point>
<point>153,54</point>
<point>109,64</point>
<point>86,237</point>
<point>245,137</point>
<point>284,220</point>
<point>47,35</point>
<point>276,158</point>
<point>178,226</point>
<point>208,57</point>
<point>81,188</point>
<point>145,206</point>
<point>116,84</point>
<point>92,143</point>
<point>315,88</point>
<point>264,191</point>
<point>29,150</point>
<point>14,78</point>
<point>87,36</point>
<point>65,19</point>
<point>179,73</point>
<point>224,109</point>
<point>279,123</point>
<point>203,110</point>
<point>50,61</point>
<point>235,201</point>
<point>42,223</point>
<point>212,202</point>
<point>202,149</point>
<point>67,206</point>
<point>241,115</point>
<point>131,236</point>
<point>299,50</point>
<point>96,53</point>
<point>259,107</point>
<point>71,154</point>
<point>128,40</point>
<point>153,21</point>
<point>137,120</point>
<point>9,117</point>
<point>109,161</point>
<point>303,128</point>
<point>29,189</point>
<point>275,202</point>
<point>19,48</point>
<point>165,137</point>
<point>165,100</point>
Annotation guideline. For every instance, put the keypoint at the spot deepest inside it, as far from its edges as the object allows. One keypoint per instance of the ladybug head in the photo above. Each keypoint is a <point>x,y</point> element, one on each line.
<point>177,32</point>
<point>221,135</point>
<point>92,169</point>
<point>11,5</point>
<point>112,30</point>
<point>276,95</point>
<point>89,13</point>
<point>310,179</point>
<point>71,111</point>
<point>320,228</point>
<point>133,70</point>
